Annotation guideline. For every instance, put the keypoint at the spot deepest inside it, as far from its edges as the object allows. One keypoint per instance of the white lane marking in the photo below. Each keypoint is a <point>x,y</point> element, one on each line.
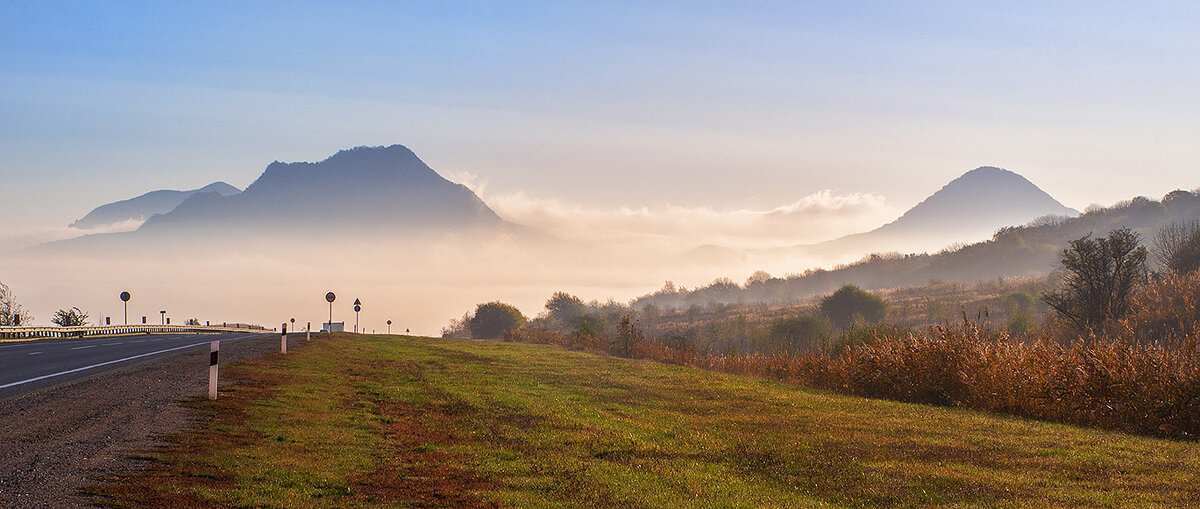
<point>138,341</point>
<point>111,344</point>
<point>35,353</point>
<point>76,370</point>
<point>83,347</point>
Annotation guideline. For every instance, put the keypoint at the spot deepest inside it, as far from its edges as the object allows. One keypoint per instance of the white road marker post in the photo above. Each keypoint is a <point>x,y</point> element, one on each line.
<point>308,332</point>
<point>283,340</point>
<point>213,349</point>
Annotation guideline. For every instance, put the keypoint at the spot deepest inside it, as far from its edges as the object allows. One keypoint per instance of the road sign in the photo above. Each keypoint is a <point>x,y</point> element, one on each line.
<point>125,299</point>
<point>357,308</point>
<point>330,296</point>
<point>357,302</point>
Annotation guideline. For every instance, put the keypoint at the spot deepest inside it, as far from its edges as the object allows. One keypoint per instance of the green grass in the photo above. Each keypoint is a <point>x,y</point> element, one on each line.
<point>378,420</point>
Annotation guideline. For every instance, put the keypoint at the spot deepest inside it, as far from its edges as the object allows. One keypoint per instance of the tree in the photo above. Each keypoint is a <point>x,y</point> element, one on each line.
<point>493,319</point>
<point>849,303</point>
<point>1100,276</point>
<point>1177,246</point>
<point>628,336</point>
<point>73,317</point>
<point>565,309</point>
<point>11,312</point>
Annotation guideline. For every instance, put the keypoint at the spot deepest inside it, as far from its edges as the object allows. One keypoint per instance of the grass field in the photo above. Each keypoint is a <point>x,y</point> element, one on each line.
<point>385,420</point>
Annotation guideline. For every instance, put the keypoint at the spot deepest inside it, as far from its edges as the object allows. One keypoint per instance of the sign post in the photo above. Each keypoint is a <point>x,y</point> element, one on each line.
<point>357,308</point>
<point>330,297</point>
<point>125,298</point>
<point>213,349</point>
<point>389,327</point>
<point>283,340</point>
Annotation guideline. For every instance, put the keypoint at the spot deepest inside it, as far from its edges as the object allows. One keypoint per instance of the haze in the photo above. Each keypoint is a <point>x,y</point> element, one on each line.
<point>626,134</point>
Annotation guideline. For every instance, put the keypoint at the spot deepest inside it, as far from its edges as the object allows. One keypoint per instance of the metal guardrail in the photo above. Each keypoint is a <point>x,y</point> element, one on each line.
<point>110,330</point>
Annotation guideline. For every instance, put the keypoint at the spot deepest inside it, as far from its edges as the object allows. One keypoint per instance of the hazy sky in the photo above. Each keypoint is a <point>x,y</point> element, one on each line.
<point>601,106</point>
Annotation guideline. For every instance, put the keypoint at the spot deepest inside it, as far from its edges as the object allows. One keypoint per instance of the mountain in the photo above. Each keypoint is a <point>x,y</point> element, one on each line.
<point>356,191</point>
<point>968,209</point>
<point>143,207</point>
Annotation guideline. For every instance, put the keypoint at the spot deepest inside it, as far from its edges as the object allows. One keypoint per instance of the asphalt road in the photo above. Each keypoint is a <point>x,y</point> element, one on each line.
<point>26,367</point>
<point>84,417</point>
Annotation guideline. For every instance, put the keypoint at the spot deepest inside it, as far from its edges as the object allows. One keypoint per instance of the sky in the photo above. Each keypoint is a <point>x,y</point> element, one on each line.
<point>622,116</point>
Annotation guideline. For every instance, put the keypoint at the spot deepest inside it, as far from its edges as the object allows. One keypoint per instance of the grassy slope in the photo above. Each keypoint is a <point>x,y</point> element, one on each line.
<point>362,420</point>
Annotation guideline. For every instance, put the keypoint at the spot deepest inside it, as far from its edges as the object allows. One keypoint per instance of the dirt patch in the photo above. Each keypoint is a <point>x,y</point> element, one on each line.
<point>419,470</point>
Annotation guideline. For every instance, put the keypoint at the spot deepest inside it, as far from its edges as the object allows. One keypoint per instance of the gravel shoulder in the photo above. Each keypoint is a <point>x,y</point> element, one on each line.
<point>57,440</point>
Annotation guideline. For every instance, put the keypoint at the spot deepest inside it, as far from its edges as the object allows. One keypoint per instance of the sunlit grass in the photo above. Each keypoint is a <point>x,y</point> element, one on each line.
<point>365,420</point>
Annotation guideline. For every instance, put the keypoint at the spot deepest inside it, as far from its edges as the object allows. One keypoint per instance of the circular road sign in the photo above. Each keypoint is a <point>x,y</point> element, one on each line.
<point>357,308</point>
<point>389,322</point>
<point>125,296</point>
<point>330,296</point>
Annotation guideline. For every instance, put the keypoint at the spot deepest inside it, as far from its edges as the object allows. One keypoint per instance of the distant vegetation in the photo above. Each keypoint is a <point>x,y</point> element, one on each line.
<point>1026,251</point>
<point>1103,342</point>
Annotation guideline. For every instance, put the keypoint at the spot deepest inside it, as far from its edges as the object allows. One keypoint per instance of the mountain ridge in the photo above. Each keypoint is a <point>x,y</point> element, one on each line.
<point>387,188</point>
<point>144,206</point>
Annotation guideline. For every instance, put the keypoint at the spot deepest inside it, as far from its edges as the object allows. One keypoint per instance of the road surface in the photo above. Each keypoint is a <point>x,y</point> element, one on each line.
<point>28,366</point>
<point>72,411</point>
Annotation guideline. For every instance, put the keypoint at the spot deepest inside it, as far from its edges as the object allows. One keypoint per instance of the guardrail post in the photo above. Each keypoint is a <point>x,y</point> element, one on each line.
<point>213,349</point>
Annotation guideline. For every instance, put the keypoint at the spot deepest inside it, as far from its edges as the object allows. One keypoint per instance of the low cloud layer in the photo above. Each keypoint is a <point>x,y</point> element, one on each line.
<point>813,218</point>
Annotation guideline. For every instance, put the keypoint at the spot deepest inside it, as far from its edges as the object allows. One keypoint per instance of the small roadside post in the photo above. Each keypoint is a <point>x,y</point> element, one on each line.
<point>283,340</point>
<point>357,308</point>
<point>213,349</point>
<point>308,332</point>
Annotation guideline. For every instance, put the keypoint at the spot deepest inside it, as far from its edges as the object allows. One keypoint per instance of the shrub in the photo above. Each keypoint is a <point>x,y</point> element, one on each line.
<point>493,319</point>
<point>73,317</point>
<point>565,309</point>
<point>850,302</point>
<point>801,333</point>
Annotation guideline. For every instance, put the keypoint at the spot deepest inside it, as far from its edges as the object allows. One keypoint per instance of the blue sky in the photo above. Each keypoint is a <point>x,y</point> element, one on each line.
<point>725,105</point>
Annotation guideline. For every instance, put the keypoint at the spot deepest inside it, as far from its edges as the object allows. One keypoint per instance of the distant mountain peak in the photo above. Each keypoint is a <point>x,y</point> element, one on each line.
<point>383,187</point>
<point>989,195</point>
<point>967,209</point>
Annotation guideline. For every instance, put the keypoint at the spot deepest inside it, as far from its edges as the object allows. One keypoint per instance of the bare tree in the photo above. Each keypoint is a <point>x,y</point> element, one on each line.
<point>1100,276</point>
<point>11,312</point>
<point>1177,246</point>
